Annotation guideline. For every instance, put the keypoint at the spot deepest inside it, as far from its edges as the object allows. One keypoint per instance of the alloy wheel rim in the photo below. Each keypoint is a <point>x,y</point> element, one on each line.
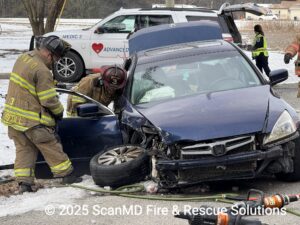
<point>65,67</point>
<point>120,155</point>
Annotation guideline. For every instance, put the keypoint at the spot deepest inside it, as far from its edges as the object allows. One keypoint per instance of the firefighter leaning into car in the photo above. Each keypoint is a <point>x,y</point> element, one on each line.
<point>31,111</point>
<point>292,50</point>
<point>259,50</point>
<point>104,87</point>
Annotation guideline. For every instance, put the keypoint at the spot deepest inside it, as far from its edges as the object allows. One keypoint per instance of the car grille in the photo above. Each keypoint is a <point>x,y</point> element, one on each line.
<point>224,147</point>
<point>209,173</point>
<point>218,148</point>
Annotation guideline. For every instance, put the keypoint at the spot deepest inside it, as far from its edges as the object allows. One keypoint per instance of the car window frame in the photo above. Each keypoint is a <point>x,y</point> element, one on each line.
<point>104,109</point>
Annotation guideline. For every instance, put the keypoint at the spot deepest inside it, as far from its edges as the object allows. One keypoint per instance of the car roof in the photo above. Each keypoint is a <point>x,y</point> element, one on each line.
<point>200,9</point>
<point>184,50</point>
<point>169,34</point>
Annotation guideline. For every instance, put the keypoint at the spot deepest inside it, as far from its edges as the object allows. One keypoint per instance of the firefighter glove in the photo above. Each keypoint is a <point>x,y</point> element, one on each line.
<point>287,58</point>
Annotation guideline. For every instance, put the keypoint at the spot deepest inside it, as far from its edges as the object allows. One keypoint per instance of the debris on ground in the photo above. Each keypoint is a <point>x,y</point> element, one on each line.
<point>151,187</point>
<point>9,186</point>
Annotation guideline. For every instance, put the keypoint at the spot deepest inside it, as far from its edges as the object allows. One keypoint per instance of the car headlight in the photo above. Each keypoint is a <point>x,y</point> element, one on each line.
<point>283,127</point>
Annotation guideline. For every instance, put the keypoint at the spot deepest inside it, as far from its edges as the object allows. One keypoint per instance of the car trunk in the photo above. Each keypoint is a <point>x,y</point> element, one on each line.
<point>226,18</point>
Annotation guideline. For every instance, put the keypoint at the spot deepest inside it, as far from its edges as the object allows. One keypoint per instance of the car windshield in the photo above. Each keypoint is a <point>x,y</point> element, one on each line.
<point>197,74</point>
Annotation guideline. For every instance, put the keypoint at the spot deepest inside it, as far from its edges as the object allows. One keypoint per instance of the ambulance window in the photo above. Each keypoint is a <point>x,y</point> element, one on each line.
<point>153,20</point>
<point>120,24</point>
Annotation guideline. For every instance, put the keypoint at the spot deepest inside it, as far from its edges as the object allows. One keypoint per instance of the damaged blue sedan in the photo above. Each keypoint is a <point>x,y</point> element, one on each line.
<point>191,112</point>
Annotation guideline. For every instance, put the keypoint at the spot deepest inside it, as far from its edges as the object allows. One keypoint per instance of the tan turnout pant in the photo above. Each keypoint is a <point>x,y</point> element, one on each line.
<point>28,143</point>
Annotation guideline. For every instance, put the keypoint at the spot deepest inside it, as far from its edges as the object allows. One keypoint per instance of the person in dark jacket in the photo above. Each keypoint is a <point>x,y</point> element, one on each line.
<point>259,50</point>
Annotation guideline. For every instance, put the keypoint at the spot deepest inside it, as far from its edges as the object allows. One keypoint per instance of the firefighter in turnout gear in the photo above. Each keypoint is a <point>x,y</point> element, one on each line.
<point>292,50</point>
<point>259,50</point>
<point>31,110</point>
<point>104,87</point>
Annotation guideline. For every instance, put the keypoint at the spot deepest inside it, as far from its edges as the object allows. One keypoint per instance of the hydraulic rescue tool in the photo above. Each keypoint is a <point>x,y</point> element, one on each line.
<point>231,215</point>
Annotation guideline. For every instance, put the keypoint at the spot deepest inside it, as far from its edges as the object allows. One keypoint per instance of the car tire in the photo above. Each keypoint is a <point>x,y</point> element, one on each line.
<point>106,170</point>
<point>69,68</point>
<point>294,176</point>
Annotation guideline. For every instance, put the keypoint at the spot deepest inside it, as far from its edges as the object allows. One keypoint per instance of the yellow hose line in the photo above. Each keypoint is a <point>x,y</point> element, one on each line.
<point>127,191</point>
<point>291,211</point>
<point>121,190</point>
<point>61,11</point>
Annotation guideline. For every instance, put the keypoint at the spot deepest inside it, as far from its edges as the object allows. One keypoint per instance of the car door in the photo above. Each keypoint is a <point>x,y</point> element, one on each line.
<point>84,137</point>
<point>226,18</point>
<point>108,44</point>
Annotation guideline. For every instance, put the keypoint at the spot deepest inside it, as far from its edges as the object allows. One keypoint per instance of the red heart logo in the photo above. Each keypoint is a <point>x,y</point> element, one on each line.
<point>97,47</point>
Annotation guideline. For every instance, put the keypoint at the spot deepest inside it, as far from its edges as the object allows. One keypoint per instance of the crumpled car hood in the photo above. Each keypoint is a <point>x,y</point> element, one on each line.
<point>210,116</point>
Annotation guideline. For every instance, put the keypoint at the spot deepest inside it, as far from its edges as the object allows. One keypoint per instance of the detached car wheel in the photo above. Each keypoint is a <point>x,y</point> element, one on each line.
<point>120,165</point>
<point>294,176</point>
<point>69,68</point>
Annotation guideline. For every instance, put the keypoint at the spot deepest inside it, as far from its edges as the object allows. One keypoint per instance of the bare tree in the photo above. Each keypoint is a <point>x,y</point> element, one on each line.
<point>170,3</point>
<point>36,13</point>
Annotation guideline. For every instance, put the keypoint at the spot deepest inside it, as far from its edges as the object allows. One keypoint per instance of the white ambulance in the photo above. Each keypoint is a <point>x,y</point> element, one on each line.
<point>106,43</point>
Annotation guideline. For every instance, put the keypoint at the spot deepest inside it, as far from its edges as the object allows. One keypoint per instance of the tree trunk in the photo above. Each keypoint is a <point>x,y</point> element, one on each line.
<point>35,12</point>
<point>55,7</point>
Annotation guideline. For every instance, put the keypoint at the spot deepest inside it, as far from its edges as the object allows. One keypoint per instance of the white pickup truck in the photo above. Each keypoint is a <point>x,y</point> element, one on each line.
<point>106,43</point>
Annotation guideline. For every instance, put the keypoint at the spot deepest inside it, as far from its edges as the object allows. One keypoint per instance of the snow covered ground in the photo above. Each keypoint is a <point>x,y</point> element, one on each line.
<point>15,35</point>
<point>14,39</point>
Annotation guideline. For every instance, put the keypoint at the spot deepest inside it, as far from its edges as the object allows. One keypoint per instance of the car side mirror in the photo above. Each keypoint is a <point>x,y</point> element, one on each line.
<point>87,110</point>
<point>99,30</point>
<point>278,76</point>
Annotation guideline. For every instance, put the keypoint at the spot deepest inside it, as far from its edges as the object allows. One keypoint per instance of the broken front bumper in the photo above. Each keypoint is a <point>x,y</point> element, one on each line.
<point>255,155</point>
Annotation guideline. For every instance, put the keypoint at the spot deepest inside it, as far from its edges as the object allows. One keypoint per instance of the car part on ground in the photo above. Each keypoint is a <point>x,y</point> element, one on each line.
<point>120,165</point>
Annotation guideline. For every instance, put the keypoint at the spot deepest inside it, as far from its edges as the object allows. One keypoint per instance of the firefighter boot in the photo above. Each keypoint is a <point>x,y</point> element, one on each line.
<point>24,187</point>
<point>71,178</point>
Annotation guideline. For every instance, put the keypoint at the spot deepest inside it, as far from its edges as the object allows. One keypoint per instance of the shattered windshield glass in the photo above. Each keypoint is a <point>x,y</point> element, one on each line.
<point>191,75</point>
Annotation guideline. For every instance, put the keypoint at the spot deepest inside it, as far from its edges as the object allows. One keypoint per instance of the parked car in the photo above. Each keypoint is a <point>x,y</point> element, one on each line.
<point>190,113</point>
<point>105,43</point>
<point>268,16</point>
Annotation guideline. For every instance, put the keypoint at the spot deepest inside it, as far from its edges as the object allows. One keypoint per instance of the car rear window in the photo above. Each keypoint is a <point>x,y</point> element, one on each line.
<point>220,20</point>
<point>223,25</point>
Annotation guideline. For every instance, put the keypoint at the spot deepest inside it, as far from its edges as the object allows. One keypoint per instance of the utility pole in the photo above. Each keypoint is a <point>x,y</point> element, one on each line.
<point>170,3</point>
